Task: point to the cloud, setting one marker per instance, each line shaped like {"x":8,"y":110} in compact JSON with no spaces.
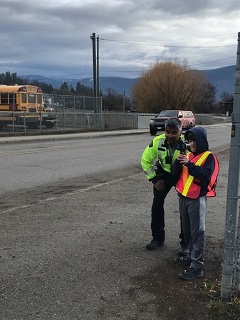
{"x":52,"y":38}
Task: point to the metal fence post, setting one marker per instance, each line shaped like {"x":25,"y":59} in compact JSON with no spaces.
{"x":84,"y":104}
{"x":13,"y":122}
{"x":232,"y":190}
{"x":63,"y":115}
{"x":40,"y":114}
{"x":13,"y":108}
{"x":24,"y":121}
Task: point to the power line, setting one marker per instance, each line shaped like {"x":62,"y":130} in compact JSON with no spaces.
{"x":190,"y":65}
{"x":169,"y":46}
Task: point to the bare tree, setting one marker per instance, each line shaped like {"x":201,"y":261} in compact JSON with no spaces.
{"x":168,"y":85}
{"x":206,"y":102}
{"x":225,"y":96}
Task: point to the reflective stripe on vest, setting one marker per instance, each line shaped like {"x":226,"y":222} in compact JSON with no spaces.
{"x":149,"y":172}
{"x":213,"y":181}
{"x":186,"y":184}
{"x":163,"y":152}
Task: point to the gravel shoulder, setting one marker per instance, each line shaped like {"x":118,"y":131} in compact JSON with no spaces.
{"x":76,"y":250}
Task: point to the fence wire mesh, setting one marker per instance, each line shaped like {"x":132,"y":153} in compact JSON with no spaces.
{"x":69,"y":112}
{"x":73,"y":102}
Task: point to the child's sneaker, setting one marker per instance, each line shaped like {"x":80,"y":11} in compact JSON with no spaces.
{"x":183,"y":251}
{"x":191,"y":274}
{"x":183,"y":261}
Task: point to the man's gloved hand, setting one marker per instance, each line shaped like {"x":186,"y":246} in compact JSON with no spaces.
{"x":159,"y":185}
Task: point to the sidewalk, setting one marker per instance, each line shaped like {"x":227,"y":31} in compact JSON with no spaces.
{"x":81,"y":135}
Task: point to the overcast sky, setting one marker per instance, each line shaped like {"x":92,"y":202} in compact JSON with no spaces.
{"x":52,"y":37}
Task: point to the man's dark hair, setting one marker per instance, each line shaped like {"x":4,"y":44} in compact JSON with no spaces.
{"x":173,"y":123}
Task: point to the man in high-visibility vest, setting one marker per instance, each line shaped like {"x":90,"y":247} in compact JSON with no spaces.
{"x":162,"y":149}
{"x":196,"y":173}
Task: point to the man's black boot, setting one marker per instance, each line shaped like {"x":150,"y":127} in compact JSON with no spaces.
{"x":154,"y":244}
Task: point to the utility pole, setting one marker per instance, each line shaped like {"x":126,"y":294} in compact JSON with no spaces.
{"x":97,"y":73}
{"x":95,"y":50}
{"x":228,"y":266}
{"x":93,"y":37}
{"x":96,"y":86}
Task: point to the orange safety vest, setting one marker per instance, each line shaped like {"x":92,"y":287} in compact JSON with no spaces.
{"x":189,"y":186}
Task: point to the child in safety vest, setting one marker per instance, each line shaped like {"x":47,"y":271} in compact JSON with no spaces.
{"x":196,"y":174}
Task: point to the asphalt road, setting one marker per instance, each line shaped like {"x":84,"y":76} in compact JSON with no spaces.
{"x":53,"y":158}
{"x":75,"y":249}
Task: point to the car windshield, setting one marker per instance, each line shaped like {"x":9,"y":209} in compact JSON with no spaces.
{"x":168,"y":113}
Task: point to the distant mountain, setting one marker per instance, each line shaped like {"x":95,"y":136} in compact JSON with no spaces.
{"x":222,"y":78}
{"x":121,"y":85}
{"x":56,"y":83}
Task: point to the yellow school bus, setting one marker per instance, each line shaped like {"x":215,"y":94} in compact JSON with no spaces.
{"x":23,"y":104}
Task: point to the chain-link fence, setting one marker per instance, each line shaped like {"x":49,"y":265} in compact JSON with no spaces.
{"x":85,"y":113}
{"x":62,"y":103}
{"x":96,"y":121}
{"x":70,"y":120}
{"x":67,"y":112}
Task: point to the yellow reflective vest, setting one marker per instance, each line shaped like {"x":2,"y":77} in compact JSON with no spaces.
{"x":157,"y":151}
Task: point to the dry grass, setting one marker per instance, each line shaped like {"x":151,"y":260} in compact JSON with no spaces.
{"x":221,"y":309}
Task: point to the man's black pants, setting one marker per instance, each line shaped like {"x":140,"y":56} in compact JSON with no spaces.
{"x":158,"y":222}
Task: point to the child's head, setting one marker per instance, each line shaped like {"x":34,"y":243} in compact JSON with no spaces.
{"x":197,"y":138}
{"x":192,"y":142}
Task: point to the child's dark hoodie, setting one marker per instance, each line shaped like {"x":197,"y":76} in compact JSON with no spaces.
{"x":203,"y":173}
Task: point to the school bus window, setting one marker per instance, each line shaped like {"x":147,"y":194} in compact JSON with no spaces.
{"x":11,"y":97}
{"x":4,"y":98}
{"x":39,"y":98}
{"x":24,"y":98}
{"x":31,"y":98}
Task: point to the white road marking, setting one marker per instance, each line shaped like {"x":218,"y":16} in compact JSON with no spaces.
{"x":71,"y":193}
